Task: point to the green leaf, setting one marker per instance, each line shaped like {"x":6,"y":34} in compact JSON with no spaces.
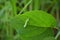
{"x":40,"y":35}
{"x":31,"y":31}
{"x":40,"y":18}
{"x":36,"y":18}
{"x":37,"y":26}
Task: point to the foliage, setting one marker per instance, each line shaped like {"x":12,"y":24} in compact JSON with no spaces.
{"x":36,"y":25}
{"x":29,"y":19}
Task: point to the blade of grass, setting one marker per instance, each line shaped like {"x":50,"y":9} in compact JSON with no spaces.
{"x":14,"y":9}
{"x":42,"y":4}
{"x":36,"y":4}
{"x":9,"y":31}
{"x":57,"y":35}
{"x":25,"y":6}
{"x":25,"y":2}
{"x":58,"y":20}
{"x":57,"y":13}
{"x":53,"y":9}
{"x":31,"y":6}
